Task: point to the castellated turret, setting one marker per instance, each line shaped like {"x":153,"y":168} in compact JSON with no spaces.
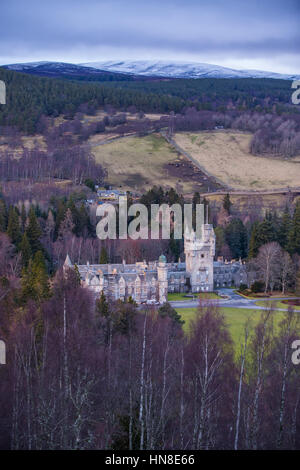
{"x":199,"y":258}
{"x":162,"y":277}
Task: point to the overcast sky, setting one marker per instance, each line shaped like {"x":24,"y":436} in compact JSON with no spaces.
{"x":257,"y":34}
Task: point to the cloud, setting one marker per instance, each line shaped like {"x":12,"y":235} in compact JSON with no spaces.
{"x":190,"y":29}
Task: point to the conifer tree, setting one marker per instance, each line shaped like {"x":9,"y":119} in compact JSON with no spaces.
{"x":67,"y":226}
{"x":3,"y":216}
{"x":33,"y":232}
{"x":284,"y":228}
{"x":60,"y":215}
{"x":294,"y":233}
{"x":227,"y":203}
{"x":166,"y":310}
{"x":236,"y":238}
{"x":104,"y":259}
{"x":254,"y":242}
{"x":23,"y":218}
{"x":27,"y":283}
{"x":40,"y":277}
{"x":102,"y":306}
{"x":76,"y":270}
{"x":25,"y":250}
{"x":13,"y":226}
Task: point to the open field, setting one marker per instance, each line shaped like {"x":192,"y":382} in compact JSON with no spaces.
{"x":225,"y":155}
{"x":235,"y":319}
{"x":138,"y":163}
{"x":28,"y":142}
{"x":180,"y":296}
{"x":276,"y":304}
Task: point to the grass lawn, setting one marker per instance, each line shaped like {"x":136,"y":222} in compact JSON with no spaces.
{"x":276,"y":304}
{"x":235,"y":319}
{"x":181,"y":296}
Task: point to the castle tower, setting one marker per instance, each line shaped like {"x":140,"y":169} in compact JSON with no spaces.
{"x":199,"y":258}
{"x":162,"y":277}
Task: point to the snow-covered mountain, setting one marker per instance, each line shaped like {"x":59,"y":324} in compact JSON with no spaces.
{"x":64,"y":70}
{"x":141,"y":68}
{"x":182,"y":70}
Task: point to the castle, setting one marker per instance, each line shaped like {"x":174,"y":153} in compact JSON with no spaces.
{"x":152,"y":281}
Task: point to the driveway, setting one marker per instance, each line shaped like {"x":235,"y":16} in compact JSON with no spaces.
{"x":234,"y":300}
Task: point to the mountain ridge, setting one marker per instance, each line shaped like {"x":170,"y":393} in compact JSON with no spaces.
{"x":183,"y":70}
{"x":142,"y":68}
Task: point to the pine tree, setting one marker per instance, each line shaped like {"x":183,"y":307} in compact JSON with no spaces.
{"x":34,"y":232}
{"x":67,"y":226}
{"x":267,"y":230}
{"x":27,"y":283}
{"x":293,"y":244}
{"x":227,"y":203}
{"x":297,"y":283}
{"x":13,"y":226}
{"x":284,"y":228}
{"x":23,"y":218}
{"x":3,"y":216}
{"x":102,"y":306}
{"x":25,"y":250}
{"x":166,"y":310}
{"x":236,"y":238}
{"x":60,"y":215}
{"x":254,"y":241}
{"x":76,"y":270}
{"x":104,"y":259}
{"x":174,"y":246}
{"x":40,"y":276}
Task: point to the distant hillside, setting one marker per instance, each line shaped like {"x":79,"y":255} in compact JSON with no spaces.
{"x":29,"y":96}
{"x":171,"y":69}
{"x":67,"y":71}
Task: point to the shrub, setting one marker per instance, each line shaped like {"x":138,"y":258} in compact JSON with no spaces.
{"x":258,"y":286}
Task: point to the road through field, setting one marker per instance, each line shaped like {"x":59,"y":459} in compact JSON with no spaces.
{"x":234,"y":301}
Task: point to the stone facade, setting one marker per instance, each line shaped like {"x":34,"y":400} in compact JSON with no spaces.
{"x":199,"y":259}
{"x":152,"y":281}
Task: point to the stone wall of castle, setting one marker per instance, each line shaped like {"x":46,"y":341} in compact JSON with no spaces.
{"x":152,"y":281}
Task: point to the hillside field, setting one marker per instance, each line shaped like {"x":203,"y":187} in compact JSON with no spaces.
{"x":225,"y":155}
{"x":138,"y":163}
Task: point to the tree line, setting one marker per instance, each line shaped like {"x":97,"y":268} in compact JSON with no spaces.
{"x":113,"y":377}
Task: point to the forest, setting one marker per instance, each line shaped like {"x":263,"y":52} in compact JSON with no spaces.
{"x":109,"y":375}
{"x":259,"y":106}
{"x":114,"y":377}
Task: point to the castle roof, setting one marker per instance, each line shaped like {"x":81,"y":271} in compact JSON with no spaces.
{"x":68,"y":261}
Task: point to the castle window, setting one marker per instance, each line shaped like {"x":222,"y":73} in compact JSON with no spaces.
{"x":202,"y":255}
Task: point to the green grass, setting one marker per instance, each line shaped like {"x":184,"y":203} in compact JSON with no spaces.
{"x":235,"y":319}
{"x":181,"y":296}
{"x":276,"y":304}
